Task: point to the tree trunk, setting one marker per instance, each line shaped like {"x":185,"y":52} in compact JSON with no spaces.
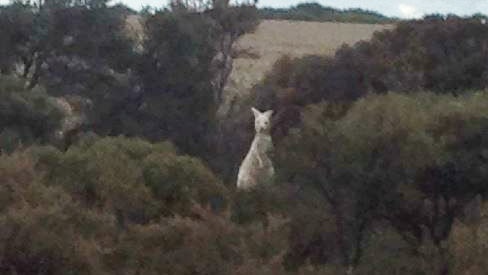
{"x":222,"y":66}
{"x":444,"y":264}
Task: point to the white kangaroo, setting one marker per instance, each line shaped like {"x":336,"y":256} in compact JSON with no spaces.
{"x":257,"y":166}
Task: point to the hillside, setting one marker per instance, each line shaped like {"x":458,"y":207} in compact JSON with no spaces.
{"x":318,"y":13}
{"x":274,"y":38}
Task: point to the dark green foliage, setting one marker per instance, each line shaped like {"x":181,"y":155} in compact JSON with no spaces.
{"x":165,"y":89}
{"x":26,"y":116}
{"x":317,"y":12}
{"x":73,"y":49}
{"x":90,"y":56}
{"x":45,"y":231}
{"x":178,"y":75}
{"x":136,"y":179}
{"x":178,"y":100}
{"x":395,"y":158}
{"x":83,"y":39}
{"x":169,"y":247}
{"x":48,"y":228}
{"x":435,"y":54}
{"x":259,"y":203}
{"x":369,"y":181}
{"x":17,"y":22}
{"x":235,"y":20}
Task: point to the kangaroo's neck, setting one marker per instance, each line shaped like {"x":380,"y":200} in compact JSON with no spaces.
{"x":262,"y":135}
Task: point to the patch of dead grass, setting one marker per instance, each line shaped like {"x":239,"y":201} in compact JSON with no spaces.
{"x":275,"y":38}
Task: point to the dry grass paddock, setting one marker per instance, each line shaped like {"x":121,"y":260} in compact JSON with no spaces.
{"x":258,"y":51}
{"x":275,"y":38}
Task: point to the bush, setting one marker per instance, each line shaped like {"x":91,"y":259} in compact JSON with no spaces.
{"x":176,"y":76}
{"x":137,"y":180}
{"x":26,"y":116}
{"x":49,"y":226}
{"x":391,"y":158}
{"x":183,"y":71}
{"x":43,"y":230}
{"x":210,"y":245}
{"x":46,"y":228}
{"x":446,"y":56}
{"x":316,"y":12}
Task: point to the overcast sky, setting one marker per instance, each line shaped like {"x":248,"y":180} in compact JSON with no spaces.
{"x":398,"y":8}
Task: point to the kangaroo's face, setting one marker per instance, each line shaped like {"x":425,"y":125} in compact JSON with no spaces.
{"x":262,"y":121}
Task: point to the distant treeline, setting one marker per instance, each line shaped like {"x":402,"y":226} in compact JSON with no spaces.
{"x":317,"y":12}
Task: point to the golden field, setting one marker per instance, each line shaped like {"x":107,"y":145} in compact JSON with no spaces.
{"x":275,"y":38}
{"x":258,"y":51}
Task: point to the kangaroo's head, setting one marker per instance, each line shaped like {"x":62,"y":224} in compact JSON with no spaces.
{"x":262,"y":121}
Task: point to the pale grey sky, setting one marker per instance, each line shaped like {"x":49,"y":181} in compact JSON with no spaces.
{"x":399,"y":8}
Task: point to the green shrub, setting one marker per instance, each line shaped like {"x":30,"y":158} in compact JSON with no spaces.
{"x":210,"y":244}
{"x":134,"y":178}
{"x":48,"y":226}
{"x":446,"y":56}
{"x":180,"y":181}
{"x":26,"y":116}
{"x":391,"y":158}
{"x":312,"y":11}
{"x":43,"y":230}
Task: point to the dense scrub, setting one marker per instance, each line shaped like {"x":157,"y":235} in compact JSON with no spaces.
{"x":374,"y":165}
{"x":134,"y":177}
{"x":436,"y":54}
{"x":353,"y":189}
{"x":26,"y":116}
{"x":118,"y":205}
{"x":317,"y":12}
{"x":165,"y":86}
{"x":402,"y":160}
{"x":381,"y":150}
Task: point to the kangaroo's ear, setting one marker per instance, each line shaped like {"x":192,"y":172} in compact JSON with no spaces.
{"x":268,"y":113}
{"x":255,"y":112}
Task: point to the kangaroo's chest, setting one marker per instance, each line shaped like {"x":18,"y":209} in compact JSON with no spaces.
{"x":263,"y":144}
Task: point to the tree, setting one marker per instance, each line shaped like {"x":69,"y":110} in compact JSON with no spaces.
{"x":415,"y":56}
{"x":184,"y":69}
{"x":26,"y":116}
{"x":341,"y":202}
{"x":412,"y":161}
{"x":73,"y":49}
